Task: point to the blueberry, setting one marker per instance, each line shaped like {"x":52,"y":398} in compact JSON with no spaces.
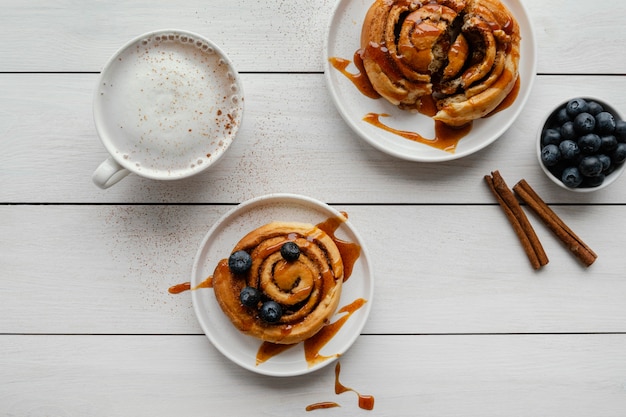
{"x":290,"y":251}
{"x":609,"y":142}
{"x":606,"y":162}
{"x":550,"y":155}
{"x":557,"y":169}
{"x":584,"y":123}
{"x":620,"y":130}
{"x":271,"y":311}
{"x":571,"y":177}
{"x":576,"y":106}
{"x":239,"y":262}
{"x":593,"y":107}
{"x":569,"y":149}
{"x":562,"y":116}
{"x":589,"y":143}
{"x":250,"y":296}
{"x":605,"y":122}
{"x":594,"y":181}
{"x":610,"y":170}
{"x":590,"y":166}
{"x":568,"y":131}
{"x":618,"y":156}
{"x":551,"y":136}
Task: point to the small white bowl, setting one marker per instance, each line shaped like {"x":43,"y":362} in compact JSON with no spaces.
{"x":550,"y":120}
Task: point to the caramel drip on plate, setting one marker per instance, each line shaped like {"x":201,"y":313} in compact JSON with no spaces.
{"x":428,"y":106}
{"x":446,"y":137}
{"x":349,"y":251}
{"x":359,"y":79}
{"x":508,"y":100}
{"x":268,"y":350}
{"x":315,"y":343}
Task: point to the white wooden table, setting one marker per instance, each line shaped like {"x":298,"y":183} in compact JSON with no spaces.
{"x":461,"y":325}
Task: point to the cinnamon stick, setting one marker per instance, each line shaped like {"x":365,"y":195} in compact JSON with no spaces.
{"x":555,"y":223}
{"x":516,"y":216}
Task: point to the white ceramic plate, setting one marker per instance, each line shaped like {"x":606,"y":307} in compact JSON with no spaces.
{"x":343,"y":38}
{"x":219,"y":242}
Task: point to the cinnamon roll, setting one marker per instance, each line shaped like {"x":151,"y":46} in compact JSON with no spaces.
{"x":281,"y":283}
{"x":463,"y":53}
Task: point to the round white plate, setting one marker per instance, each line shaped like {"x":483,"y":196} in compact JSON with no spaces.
{"x":217,"y":245}
{"x":344,"y":34}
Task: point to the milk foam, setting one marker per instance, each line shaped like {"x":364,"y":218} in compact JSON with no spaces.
{"x":168,"y":104}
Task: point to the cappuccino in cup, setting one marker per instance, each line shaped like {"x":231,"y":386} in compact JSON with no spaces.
{"x":167,"y":106}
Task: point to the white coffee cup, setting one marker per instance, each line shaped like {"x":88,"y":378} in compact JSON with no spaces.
{"x":167,"y":106}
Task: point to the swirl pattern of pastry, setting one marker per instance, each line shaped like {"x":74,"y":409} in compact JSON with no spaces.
{"x":282,"y":282}
{"x":463,"y":53}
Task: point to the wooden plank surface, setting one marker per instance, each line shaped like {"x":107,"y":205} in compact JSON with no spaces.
{"x":481,"y":376}
{"x":277,"y":36}
{"x":290,"y":132}
{"x":460,"y":323}
{"x":465,"y":272}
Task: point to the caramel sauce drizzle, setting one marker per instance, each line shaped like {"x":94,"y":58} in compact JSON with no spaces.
{"x":314,"y":344}
{"x":322,"y":405}
{"x":446,"y":137}
{"x":186,"y":286}
{"x":359,"y":79}
{"x":366,"y":402}
{"x":268,"y":350}
{"x":508,"y":100}
{"x":428,"y":107}
{"x":349,"y":251}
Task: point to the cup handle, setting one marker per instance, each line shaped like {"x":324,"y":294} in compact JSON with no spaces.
{"x":109,"y":173}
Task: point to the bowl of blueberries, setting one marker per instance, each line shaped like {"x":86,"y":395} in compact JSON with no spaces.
{"x":582,"y":144}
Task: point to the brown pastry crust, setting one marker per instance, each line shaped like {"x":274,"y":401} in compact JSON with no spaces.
{"x":308,"y":289}
{"x":465,"y":53}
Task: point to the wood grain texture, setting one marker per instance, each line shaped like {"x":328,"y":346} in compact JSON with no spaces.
{"x":437,"y":269}
{"x":276,"y":36}
{"x":481,"y":376}
{"x":290,"y":130}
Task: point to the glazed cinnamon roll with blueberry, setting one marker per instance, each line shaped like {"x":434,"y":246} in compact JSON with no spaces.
{"x":281,"y":283}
